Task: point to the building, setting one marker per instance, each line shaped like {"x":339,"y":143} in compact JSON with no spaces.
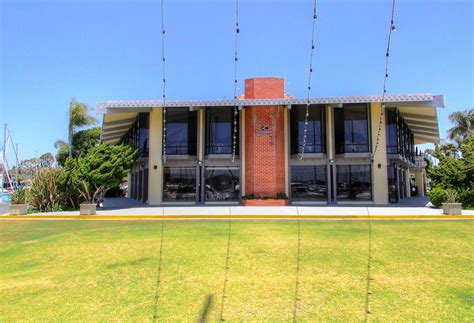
{"x":341,"y":163}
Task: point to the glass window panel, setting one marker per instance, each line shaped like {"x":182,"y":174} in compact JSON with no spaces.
{"x":353,"y":182}
{"x":315,"y":140}
{"x":351,"y":128}
{"x":179,"y":184}
{"x":222,"y":183}
{"x":181,"y":131}
{"x":308,"y":183}
{"x":220,"y":131}
{"x":144,"y":130}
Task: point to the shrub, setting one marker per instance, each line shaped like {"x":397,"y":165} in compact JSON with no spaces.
{"x":19,"y":197}
{"x":466,"y":196}
{"x":43,"y":192}
{"x":437,"y":196}
{"x":281,"y":196}
{"x":452,"y":196}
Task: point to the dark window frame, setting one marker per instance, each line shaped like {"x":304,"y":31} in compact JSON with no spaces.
{"x":215,"y":148}
{"x":297,"y":115}
{"x":190,"y":147}
{"x":340,"y":129}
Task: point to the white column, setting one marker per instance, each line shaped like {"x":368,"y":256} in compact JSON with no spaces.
{"x":379,"y":165}
{"x":155,"y":173}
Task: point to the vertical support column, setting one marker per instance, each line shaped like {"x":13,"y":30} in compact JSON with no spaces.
{"x":242,"y":151}
{"x":379,"y":164}
{"x":129,"y":183}
{"x":200,"y":171}
{"x":331,"y":186}
{"x":286,"y":149}
{"x":155,"y":174}
{"x":407,"y":182}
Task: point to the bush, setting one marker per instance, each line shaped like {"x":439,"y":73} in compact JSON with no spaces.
{"x":43,"y":193}
{"x":466,"y":197}
{"x":19,"y":197}
{"x":437,"y":196}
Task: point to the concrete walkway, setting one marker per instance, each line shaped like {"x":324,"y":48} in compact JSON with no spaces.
{"x":123,"y":207}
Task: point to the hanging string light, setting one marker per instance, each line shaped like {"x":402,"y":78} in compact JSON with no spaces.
{"x":236,"y":59}
{"x":377,"y":141}
{"x":160,"y":253}
{"x":384,"y":89}
{"x":310,"y":74}
{"x":163,"y":60}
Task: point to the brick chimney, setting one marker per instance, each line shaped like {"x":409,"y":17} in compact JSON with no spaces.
{"x":264,"y":138}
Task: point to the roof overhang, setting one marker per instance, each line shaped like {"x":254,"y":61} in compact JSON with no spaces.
{"x":418,"y":110}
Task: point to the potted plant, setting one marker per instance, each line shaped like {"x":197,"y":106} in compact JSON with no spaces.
{"x":18,"y":204}
{"x":89,"y":206}
{"x":254,"y":200}
{"x":452,"y":206}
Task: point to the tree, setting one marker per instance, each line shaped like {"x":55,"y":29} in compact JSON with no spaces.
{"x":463,"y":125}
{"x":82,"y":142}
{"x":29,"y":167}
{"x":455,"y":170}
{"x":78,"y":117}
{"x":102,"y":168}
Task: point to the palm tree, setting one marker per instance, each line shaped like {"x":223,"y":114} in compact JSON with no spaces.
{"x":78,"y":117}
{"x":463,"y":124}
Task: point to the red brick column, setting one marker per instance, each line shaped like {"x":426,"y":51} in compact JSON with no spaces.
{"x":264,"y":139}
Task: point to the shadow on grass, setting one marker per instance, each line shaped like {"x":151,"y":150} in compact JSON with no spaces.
{"x":206,"y":308}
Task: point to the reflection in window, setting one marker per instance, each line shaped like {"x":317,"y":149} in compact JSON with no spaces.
{"x":308,"y":183}
{"x":143,"y":122}
{"x":353,"y":182}
{"x":222,"y":183}
{"x":352,"y":129}
{"x":181,"y":131}
{"x":392,"y":184}
{"x":220,"y":130}
{"x":179,"y":184}
{"x":391,"y":131}
{"x":315,"y":140}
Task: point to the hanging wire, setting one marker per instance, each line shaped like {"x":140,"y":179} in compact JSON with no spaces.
{"x":310,"y":74}
{"x":160,"y":253}
{"x":384,"y":89}
{"x":236,"y":59}
{"x":163,"y":60}
{"x":382,"y":113}
{"x":297,"y":280}
{"x":234,"y":144}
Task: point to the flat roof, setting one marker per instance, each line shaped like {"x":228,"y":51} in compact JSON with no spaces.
{"x":419,"y":110}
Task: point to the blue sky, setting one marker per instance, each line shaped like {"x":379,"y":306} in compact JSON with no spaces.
{"x":51,"y":51}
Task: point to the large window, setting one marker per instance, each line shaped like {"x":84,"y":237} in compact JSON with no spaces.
{"x":308,"y":183}
{"x":181,"y":131}
{"x":222,"y":183}
{"x":352,"y":129}
{"x":220,"y":131}
{"x":391,"y":131}
{"x":392,"y":184}
{"x":315,"y":135}
{"x":144,"y":126}
{"x":179,"y":184}
{"x":353,"y":182}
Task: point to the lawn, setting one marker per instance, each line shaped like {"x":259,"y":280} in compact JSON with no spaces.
{"x":106,"y":270}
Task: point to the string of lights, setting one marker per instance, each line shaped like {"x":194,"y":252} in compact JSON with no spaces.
{"x":160,"y":253}
{"x":382,"y":114}
{"x":234,"y":144}
{"x":310,"y":74}
{"x":163,"y":60}
{"x":297,"y":280}
{"x":236,"y":59}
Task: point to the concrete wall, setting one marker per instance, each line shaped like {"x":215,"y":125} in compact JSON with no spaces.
{"x":155,"y":182}
{"x":379,"y":165}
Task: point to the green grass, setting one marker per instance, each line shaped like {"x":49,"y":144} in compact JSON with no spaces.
{"x":106,"y":270}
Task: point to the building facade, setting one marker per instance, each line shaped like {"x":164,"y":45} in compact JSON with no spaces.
{"x":356,"y":149}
